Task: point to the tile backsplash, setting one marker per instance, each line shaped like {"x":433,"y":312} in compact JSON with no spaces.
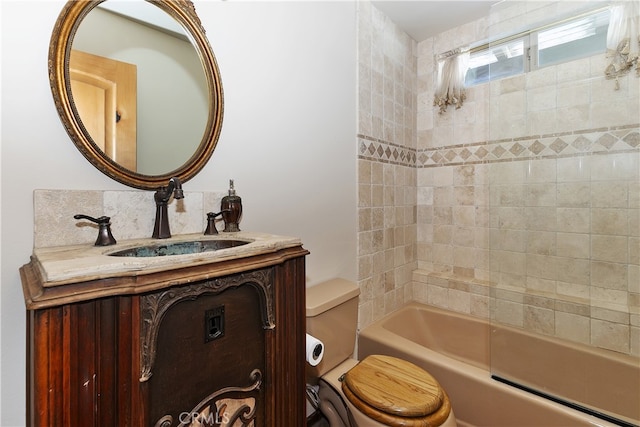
{"x":132,"y":214}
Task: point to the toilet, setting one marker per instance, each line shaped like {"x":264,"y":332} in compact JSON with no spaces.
{"x":380,"y":390}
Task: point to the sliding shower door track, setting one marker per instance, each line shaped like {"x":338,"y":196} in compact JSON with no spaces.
{"x":567,"y":403}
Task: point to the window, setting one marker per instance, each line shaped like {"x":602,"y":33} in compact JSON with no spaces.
{"x":496,"y":62}
{"x":573,"y":40}
{"x":549,"y":45}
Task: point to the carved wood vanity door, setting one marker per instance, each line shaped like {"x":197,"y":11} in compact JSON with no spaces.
{"x":204,"y":351}
{"x":104,"y":92}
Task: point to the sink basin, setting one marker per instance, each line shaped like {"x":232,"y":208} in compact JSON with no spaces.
{"x":179,"y":248}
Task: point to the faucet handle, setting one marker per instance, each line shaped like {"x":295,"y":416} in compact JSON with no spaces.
{"x":105,"y":238}
{"x":211,"y":223}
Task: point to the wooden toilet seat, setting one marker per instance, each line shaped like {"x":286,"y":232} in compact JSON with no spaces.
{"x":396,"y":392}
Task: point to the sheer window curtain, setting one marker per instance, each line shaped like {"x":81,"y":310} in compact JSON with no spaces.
{"x":623,"y":39}
{"x":450,"y":84}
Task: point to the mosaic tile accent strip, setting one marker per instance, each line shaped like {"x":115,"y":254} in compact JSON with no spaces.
{"x":386,"y":152}
{"x":593,"y":141}
{"x":619,"y":139}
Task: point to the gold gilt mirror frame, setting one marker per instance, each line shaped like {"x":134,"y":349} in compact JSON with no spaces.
{"x":183,"y":11}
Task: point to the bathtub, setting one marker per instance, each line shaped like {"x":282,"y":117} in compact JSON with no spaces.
{"x":455,"y":349}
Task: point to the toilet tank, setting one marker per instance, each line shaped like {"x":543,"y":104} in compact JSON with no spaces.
{"x":332,"y":317}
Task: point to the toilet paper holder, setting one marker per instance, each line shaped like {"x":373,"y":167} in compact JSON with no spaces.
{"x":314,"y":350}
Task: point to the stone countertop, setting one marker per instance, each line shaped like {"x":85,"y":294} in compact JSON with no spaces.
{"x":64,"y":265}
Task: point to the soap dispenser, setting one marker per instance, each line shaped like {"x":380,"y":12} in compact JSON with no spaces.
{"x":231,"y":207}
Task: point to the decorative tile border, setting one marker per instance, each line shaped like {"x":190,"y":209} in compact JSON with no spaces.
{"x":618,"y":139}
{"x":585,"y":142}
{"x":386,"y":152}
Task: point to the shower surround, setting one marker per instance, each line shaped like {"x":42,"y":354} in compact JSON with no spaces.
{"x":522,"y":206}
{"x":529,"y":195}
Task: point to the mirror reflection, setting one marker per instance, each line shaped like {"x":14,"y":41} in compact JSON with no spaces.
{"x":138,"y":85}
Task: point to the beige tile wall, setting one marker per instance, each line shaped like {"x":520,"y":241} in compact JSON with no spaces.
{"x":386,"y":164}
{"x":132,"y":214}
{"x":528,"y":196}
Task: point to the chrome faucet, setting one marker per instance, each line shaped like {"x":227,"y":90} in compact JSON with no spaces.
{"x":162,"y":196}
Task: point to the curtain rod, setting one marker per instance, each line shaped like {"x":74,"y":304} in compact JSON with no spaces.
{"x":453,"y":52}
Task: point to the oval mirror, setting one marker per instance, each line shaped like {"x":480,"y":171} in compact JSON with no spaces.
{"x":137,"y":88}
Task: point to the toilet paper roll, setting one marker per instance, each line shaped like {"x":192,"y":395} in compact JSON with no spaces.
{"x":315,"y":350}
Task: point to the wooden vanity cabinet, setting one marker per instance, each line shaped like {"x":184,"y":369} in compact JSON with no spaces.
{"x":166,"y":347}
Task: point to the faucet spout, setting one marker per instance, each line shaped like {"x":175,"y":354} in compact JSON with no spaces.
{"x":175,"y":187}
{"x":162,"y":196}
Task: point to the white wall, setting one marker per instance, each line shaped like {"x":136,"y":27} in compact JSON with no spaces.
{"x":288,"y":140}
